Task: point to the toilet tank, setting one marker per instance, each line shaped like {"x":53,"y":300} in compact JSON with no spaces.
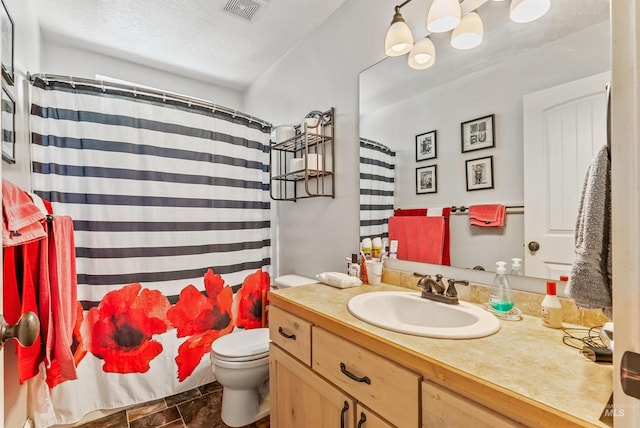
{"x":292,"y":280}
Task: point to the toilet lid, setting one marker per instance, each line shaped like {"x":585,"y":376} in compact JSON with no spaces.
{"x":242,"y":345}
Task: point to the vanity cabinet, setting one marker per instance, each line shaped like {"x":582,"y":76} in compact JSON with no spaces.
{"x":391,"y":379}
{"x":443,"y":408}
{"x":303,"y":166}
{"x":343,"y":383}
{"x":300,"y":398}
{"x":374,"y":381}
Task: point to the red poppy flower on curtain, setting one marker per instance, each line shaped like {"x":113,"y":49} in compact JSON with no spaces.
{"x":250,"y":300}
{"x":202,"y":318}
{"x":121,"y":328}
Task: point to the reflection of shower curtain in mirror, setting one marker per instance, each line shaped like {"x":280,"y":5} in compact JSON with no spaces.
{"x":170,"y":204}
{"x":377,"y":185}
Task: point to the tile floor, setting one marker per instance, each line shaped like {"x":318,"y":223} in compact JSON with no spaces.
{"x":197,"y":408}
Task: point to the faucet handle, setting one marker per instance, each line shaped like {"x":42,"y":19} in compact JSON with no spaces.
{"x":451,"y":289}
{"x":424,"y":283}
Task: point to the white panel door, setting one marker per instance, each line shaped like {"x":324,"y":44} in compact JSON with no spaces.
{"x":563,"y":128}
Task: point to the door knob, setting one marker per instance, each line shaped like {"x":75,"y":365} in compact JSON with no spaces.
{"x":534,"y":246}
{"x":25,"y":331}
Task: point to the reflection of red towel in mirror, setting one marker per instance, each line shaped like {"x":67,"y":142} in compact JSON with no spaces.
{"x":420,"y":239}
{"x":445,"y":212}
{"x":489,"y":215}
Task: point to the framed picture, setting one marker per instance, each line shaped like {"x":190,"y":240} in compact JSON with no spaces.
{"x":8,"y":127}
{"x":480,"y":173}
{"x":426,"y":146}
{"x":6,"y":29}
{"x":426,"y":179}
{"x":478,"y":134}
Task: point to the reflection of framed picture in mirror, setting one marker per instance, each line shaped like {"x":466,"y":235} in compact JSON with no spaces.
{"x":8,"y":127}
{"x":426,"y":180}
{"x":426,"y":146}
{"x":6,"y":31}
{"x":478,"y":134}
{"x":480,"y":173}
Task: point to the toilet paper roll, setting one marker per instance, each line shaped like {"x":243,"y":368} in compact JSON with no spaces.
{"x":284,"y":132}
{"x":314,"y":162}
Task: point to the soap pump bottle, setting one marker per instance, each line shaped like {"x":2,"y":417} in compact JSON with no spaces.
{"x":551,"y":308}
{"x":516,"y":267}
{"x":500,"y":297}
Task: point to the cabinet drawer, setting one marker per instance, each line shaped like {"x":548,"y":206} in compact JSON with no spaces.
{"x":443,"y":408}
{"x":291,"y":333}
{"x":373,"y":380}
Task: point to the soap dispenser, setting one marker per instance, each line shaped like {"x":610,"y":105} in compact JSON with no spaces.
{"x":500,"y":297}
{"x":516,"y":267}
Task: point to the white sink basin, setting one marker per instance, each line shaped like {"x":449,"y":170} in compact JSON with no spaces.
{"x":407,"y":312}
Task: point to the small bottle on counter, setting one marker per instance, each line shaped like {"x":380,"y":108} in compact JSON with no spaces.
{"x":354,"y":266}
{"x":376,"y":248}
{"x":500,"y":297}
{"x":516,"y":267}
{"x":366,"y":248}
{"x":393,"y":249}
{"x":551,"y":308}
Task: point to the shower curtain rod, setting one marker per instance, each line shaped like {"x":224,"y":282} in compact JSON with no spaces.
{"x":164,"y":95}
{"x":374,"y":143}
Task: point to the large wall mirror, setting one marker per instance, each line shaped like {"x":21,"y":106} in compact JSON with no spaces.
{"x":513,"y":77}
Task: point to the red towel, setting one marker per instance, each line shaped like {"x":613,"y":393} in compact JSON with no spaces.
{"x":420,"y":239}
{"x":22,"y":219}
{"x":19,"y":296}
{"x":446,"y":212}
{"x":63,"y":294}
{"x":490,"y":215}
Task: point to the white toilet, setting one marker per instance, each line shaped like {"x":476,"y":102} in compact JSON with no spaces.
{"x":240,"y":362}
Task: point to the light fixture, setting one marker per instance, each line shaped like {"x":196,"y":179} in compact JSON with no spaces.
{"x":469,"y":33}
{"x":444,"y":15}
{"x":423,"y":54}
{"x":523,"y":11}
{"x":399,"y":40}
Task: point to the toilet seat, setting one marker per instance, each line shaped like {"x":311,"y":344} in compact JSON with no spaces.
{"x":246,"y":345}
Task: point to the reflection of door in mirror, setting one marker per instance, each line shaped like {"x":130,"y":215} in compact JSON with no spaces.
{"x":563,"y":128}
{"x":442,"y":98}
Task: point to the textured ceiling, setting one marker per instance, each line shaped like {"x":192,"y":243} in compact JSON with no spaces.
{"x":196,"y":38}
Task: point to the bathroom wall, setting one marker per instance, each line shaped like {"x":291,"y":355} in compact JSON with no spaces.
{"x":26,"y":57}
{"x":60,"y":58}
{"x":321,"y":71}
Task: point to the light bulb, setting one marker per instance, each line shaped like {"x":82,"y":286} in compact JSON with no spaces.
{"x":444,"y":15}
{"x":423,"y":54}
{"x":469,"y":33}
{"x":399,"y":39}
{"x":523,"y":11}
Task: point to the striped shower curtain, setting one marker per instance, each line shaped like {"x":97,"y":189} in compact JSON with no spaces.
{"x":170,"y":207}
{"x":377,"y":184}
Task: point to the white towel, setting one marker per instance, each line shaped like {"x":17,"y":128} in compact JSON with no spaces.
{"x":434,"y":212}
{"x":590,"y":279}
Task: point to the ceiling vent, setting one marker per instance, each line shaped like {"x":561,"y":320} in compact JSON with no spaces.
{"x":246,"y":9}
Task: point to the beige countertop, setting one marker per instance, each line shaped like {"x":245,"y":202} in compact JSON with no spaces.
{"x":523,"y":362}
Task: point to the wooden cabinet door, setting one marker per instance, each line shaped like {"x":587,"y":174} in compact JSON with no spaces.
{"x":442,"y":408}
{"x":365,"y":418}
{"x":300,"y":398}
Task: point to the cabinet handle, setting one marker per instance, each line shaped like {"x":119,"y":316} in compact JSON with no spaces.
{"x":365,"y":379}
{"x":363,"y":419}
{"x":283,"y":334}
{"x":344,"y":410}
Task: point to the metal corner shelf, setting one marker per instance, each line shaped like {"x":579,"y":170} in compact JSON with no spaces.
{"x":302,"y":167}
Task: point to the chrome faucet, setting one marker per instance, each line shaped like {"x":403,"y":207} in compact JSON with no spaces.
{"x":436,"y":290}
